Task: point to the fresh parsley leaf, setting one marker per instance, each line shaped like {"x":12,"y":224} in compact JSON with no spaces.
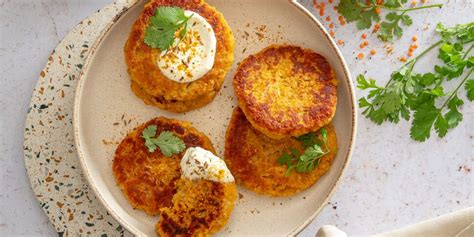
{"x":423,"y":121}
{"x":469,"y":86}
{"x":357,"y":10}
{"x":391,"y":28}
{"x":408,"y":92}
{"x":163,"y":26}
{"x":365,"y":13}
{"x":315,"y":148}
{"x":454,"y":117}
{"x":168,"y":143}
{"x":441,"y":126}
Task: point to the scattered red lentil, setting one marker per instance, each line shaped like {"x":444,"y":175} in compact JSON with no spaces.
{"x":331,"y":25}
{"x":378,"y":10}
{"x":366,"y":43}
{"x":424,"y":1}
{"x":363,"y":36}
{"x":413,"y":2}
{"x":360,"y":56}
{"x":328,"y":18}
{"x":410,"y":54}
{"x":373,"y":52}
{"x":331,"y":33}
{"x":340,"y":42}
{"x":402,"y":59}
{"x":376,"y":28}
{"x":414,"y":38}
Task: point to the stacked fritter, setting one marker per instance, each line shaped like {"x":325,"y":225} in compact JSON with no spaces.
{"x":283,"y":92}
{"x":154,"y":183}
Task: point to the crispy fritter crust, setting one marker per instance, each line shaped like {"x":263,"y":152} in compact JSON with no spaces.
{"x":286,"y":90}
{"x":147,"y":179}
{"x":200,"y":208}
{"x":176,"y":106}
{"x":141,"y":59}
{"x":252,"y":158}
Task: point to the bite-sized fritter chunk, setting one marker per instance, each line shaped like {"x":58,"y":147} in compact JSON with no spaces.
{"x":143,"y":69}
{"x":147,"y":179}
{"x":252,"y":158}
{"x":286,"y":90}
{"x":200,"y":208}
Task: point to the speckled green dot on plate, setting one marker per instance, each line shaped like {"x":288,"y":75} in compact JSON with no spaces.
{"x":50,"y":156}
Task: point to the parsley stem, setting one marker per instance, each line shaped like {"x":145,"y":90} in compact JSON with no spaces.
{"x":456,"y":90}
{"x":412,"y":9}
{"x":467,"y":52}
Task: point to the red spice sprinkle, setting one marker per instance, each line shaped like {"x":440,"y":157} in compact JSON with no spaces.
{"x":360,"y":56}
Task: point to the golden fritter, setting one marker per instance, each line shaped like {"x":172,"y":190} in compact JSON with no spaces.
{"x":176,"y":106}
{"x":147,"y":179}
{"x":200,"y":208}
{"x":286,"y":91}
{"x":252,"y":158}
{"x":141,"y":59}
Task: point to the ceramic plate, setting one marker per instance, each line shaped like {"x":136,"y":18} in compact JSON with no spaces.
{"x":106,"y":110}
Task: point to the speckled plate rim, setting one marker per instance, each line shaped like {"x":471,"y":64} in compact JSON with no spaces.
{"x":89,"y":59}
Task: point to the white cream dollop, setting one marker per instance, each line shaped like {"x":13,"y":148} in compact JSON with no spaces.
{"x":199,"y":163}
{"x":193,"y":56}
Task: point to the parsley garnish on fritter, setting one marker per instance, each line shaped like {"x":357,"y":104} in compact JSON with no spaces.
{"x":424,"y":95}
{"x":162,"y":27}
{"x":315,"y":148}
{"x":168,"y":143}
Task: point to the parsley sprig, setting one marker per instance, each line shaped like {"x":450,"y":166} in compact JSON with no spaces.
{"x":163,"y":26}
{"x":315,"y":149}
{"x":409,"y":93}
{"x":168,"y":143}
{"x":365,"y":13}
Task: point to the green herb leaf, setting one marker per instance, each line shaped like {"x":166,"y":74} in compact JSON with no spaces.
{"x":314,"y":150}
{"x":470,"y":89}
{"x":162,"y":27}
{"x":423,"y":121}
{"x":168,"y":143}
{"x":408,"y":92}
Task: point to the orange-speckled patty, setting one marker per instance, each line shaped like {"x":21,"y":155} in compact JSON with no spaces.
{"x":286,"y":90}
{"x":199,"y":208}
{"x":252,"y":158}
{"x":176,"y":106}
{"x":141,"y":59}
{"x":147,"y":179}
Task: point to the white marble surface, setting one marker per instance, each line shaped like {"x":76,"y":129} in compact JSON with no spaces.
{"x":391,"y":181}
